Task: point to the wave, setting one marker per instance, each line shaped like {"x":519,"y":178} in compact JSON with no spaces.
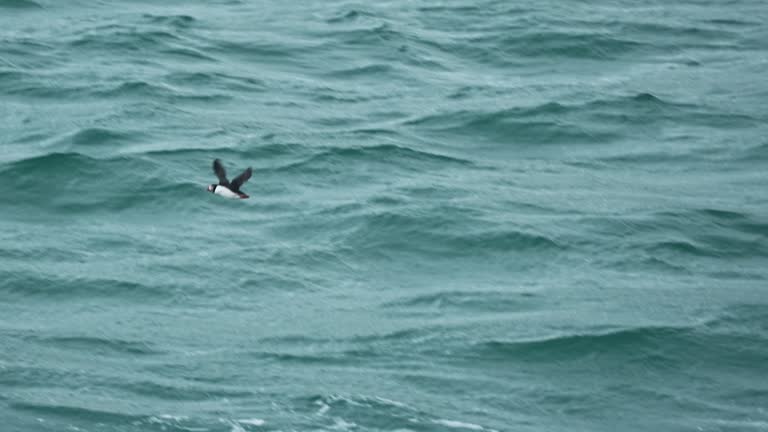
{"x":260,"y":152}
{"x":597,"y":121}
{"x":76,"y":183}
{"x":469,"y":301}
{"x":30,"y":84}
{"x":744,"y":320}
{"x":218,"y":80}
{"x":323,"y":358}
{"x":100,"y":136}
{"x":403,"y":157}
{"x":505,"y":46}
{"x":29,"y":252}
{"x":350,"y":16}
{"x":286,"y":281}
{"x":397,"y":54}
{"x":570,"y":45}
{"x":298,"y":340}
{"x":645,"y":345}
{"x":148,"y":42}
{"x":684,"y":247}
{"x":31,"y":376}
{"x":57,"y":288}
{"x":88,"y":413}
{"x":729,"y":232}
{"x":272,"y":51}
{"x":179,"y":392}
{"x":646,"y":108}
{"x":20,"y":4}
{"x":658,"y":240}
{"x":755,"y":153}
{"x":652,"y":158}
{"x":117,"y":36}
{"x":175,"y":21}
{"x":439,"y":235}
{"x":375,"y":71}
{"x":511,"y":43}
{"x":678,"y":35}
{"x":49,"y":163}
{"x":341,"y":402}
{"x":63,"y":171}
{"x":395,"y":415}
{"x":98,"y":345}
{"x":328,"y":95}
{"x":158,"y":90}
{"x":456,"y":9}
{"x":512,"y":126}
{"x":649,"y":264}
{"x":662,"y":345}
{"x":391,"y":42}
{"x":379,"y":34}
{"x":93,"y":415}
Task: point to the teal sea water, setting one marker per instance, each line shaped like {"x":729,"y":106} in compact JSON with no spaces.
{"x":465,"y":215}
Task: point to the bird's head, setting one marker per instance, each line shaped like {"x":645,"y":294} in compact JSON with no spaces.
{"x":211,"y":188}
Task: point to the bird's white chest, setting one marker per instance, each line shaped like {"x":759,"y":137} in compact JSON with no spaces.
{"x":225,"y":192}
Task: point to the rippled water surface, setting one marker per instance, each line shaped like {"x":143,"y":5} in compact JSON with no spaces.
{"x":464,"y":216}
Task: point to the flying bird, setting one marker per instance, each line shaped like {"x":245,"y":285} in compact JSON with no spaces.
{"x":226,"y":188}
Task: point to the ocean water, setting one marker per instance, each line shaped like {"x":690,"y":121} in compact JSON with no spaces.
{"x":465,"y":216}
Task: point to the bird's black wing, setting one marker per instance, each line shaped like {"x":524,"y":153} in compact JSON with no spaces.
{"x":239,"y":180}
{"x":218,"y":168}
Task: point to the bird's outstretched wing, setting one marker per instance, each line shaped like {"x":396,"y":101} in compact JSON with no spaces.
{"x":218,"y":168}
{"x":238,"y":181}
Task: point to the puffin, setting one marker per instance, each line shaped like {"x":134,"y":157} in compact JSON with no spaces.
{"x":226,"y":188}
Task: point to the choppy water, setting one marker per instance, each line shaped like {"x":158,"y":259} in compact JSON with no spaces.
{"x":465,"y":215}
